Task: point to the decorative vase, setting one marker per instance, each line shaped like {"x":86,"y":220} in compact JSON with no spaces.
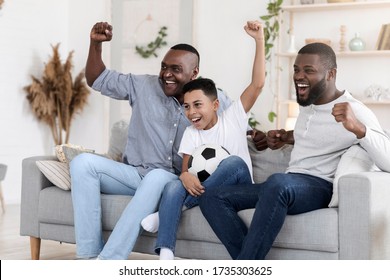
{"x":291,"y":48}
{"x":357,"y":44}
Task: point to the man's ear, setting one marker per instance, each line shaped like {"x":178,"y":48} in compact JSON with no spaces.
{"x":195,"y":73}
{"x":332,"y":74}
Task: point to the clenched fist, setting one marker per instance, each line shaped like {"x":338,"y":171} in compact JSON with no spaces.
{"x":101,"y":32}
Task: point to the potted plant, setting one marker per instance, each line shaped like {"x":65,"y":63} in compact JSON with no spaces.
{"x":56,"y":97}
{"x":271,"y":32}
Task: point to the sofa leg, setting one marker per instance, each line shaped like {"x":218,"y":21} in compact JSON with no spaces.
{"x":35,"y":246}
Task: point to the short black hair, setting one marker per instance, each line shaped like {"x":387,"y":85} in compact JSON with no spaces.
{"x":188,"y":48}
{"x":326,"y":53}
{"x":206,"y":85}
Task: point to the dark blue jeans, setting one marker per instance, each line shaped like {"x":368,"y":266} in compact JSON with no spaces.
{"x":281,"y":195}
{"x":232,"y":170}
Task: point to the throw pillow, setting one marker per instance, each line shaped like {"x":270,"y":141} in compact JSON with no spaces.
{"x":71,"y":152}
{"x":118,"y":140}
{"x":268,"y":162}
{"x":354,"y":160}
{"x":66,"y":152}
{"x":56,"y":172}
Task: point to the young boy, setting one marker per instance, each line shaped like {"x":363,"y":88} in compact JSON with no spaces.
{"x":229,"y":130}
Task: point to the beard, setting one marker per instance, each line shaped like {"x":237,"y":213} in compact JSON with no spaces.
{"x":314,"y":93}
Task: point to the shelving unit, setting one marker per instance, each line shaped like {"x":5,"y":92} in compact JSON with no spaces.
{"x":334,"y":16}
{"x":336,"y":6}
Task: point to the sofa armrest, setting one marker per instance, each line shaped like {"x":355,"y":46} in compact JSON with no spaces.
{"x":364,"y":215}
{"x":33,"y":181}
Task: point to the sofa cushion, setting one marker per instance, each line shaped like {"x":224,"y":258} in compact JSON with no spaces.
{"x":268,"y":162}
{"x":56,"y":172}
{"x":71,"y":152}
{"x":354,"y":160}
{"x":321,"y":235}
{"x":66,"y":152}
{"x":118,"y":140}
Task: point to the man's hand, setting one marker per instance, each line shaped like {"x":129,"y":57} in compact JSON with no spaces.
{"x":278,"y":138}
{"x":101,"y":32}
{"x":343,"y":113}
{"x":191,"y":184}
{"x":259,"y":139}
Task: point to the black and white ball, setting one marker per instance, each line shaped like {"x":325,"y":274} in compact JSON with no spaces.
{"x":205,"y":160}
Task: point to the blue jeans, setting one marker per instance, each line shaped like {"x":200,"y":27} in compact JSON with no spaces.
{"x":281,"y":195}
{"x":92,"y":175}
{"x":232,"y":170}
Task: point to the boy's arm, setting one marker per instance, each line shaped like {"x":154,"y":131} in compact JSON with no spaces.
{"x":190,"y":182}
{"x":249,"y":96}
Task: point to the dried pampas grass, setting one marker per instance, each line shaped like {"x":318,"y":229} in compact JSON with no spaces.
{"x":56,"y":97}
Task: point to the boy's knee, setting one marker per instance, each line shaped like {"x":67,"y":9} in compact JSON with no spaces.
{"x":233,"y":160}
{"x":173,"y":186}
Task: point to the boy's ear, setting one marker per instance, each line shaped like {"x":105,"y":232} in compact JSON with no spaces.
{"x":216,"y":105}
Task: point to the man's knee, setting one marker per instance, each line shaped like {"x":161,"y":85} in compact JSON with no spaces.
{"x":209,"y":196}
{"x":81,"y":162}
{"x":277,"y":185}
{"x":161,"y":175}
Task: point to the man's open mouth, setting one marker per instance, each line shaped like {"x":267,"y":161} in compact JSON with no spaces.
{"x":302,"y":88}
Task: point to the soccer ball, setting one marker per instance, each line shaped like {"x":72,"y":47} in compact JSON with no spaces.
{"x":205,"y":160}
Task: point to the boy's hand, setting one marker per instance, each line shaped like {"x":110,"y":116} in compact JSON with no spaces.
{"x":259,"y":139}
{"x":191,"y":184}
{"x":254,"y":29}
{"x":101,"y":31}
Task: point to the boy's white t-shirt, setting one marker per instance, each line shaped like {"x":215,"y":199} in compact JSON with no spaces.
{"x":229,"y":132}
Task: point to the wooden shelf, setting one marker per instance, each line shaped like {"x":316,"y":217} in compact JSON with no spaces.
{"x":371,"y":53}
{"x":335,"y":6}
{"x":323,"y":12}
{"x":375,"y":102}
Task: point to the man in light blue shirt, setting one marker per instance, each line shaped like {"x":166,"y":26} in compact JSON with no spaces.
{"x":150,"y":159}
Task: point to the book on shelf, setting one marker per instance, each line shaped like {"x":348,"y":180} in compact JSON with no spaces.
{"x":383,"y":42}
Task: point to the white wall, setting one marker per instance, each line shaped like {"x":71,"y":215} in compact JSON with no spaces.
{"x":28,"y":28}
{"x":227,"y":51}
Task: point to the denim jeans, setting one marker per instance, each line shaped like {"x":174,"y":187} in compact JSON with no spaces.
{"x":281,"y":194}
{"x":232,"y":170}
{"x":92,"y":175}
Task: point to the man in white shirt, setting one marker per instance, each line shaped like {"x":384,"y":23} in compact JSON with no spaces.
{"x":330,"y":121}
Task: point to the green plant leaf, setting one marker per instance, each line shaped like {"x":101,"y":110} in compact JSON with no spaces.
{"x":271,"y":116}
{"x":151,"y":47}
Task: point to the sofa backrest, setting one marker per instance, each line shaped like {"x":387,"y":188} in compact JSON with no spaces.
{"x":269,"y":161}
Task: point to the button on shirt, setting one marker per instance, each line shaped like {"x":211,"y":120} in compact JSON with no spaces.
{"x":157,"y":122}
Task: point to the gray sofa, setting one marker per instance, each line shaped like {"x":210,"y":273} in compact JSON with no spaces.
{"x":359,"y":228}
